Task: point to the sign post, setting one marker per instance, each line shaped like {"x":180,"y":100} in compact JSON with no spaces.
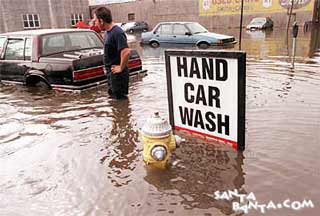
{"x":206,"y":93}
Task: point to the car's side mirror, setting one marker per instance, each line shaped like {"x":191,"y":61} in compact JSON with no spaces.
{"x":188,"y":33}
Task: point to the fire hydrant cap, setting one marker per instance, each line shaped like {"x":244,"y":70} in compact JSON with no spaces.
{"x":156,"y":126}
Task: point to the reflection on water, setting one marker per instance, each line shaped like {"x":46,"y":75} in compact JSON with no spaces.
{"x":199,"y":169}
{"x":65,"y":153}
{"x":121,"y":149}
{"x":314,"y":42}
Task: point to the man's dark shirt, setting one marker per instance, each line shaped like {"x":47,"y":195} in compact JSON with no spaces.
{"x":115,"y":41}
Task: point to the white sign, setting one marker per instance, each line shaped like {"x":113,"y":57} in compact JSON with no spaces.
{"x":204,"y":95}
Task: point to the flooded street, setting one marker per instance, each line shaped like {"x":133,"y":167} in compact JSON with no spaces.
{"x":64,"y":153}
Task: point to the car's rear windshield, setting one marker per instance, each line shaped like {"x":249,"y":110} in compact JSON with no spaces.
{"x":258,"y":20}
{"x":71,"y":41}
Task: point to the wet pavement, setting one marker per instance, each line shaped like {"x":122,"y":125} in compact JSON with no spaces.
{"x":65,"y":153}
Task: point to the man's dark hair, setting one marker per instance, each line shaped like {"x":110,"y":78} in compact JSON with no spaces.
{"x":104,"y":14}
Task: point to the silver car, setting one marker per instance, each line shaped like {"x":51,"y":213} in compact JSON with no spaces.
{"x":184,"y":33}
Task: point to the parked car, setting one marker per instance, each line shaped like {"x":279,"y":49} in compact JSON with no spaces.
{"x":260,"y":23}
{"x":70,"y":59}
{"x":184,"y":33}
{"x":90,"y":25}
{"x":133,"y":27}
{"x":120,"y":24}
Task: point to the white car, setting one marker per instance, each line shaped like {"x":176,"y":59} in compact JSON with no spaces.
{"x":260,"y":23}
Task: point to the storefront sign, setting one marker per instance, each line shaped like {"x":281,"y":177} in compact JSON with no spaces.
{"x":230,"y":7}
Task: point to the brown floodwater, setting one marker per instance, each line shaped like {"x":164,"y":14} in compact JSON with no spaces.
{"x":64,"y":153}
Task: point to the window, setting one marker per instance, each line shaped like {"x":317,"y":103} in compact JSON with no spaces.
{"x":2,"y":42}
{"x":28,"y":49}
{"x":31,"y":21}
{"x":15,"y":49}
{"x":179,"y":29}
{"x":54,"y":43}
{"x":196,"y":28}
{"x":131,"y":16}
{"x":165,"y":29}
{"x":76,"y":18}
{"x":80,"y":41}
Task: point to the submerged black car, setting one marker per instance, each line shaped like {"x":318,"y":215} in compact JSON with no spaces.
{"x":59,"y":58}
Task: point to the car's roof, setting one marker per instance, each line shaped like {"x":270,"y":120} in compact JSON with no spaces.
{"x":260,"y":18}
{"x":42,"y":32}
{"x":176,"y":22}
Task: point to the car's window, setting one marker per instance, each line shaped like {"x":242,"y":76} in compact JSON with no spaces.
{"x":28,"y":49}
{"x":196,"y":28}
{"x":179,"y":29}
{"x":14,"y":50}
{"x":2,"y":42}
{"x":82,"y":41}
{"x":165,"y":29}
{"x":258,"y":20}
{"x":56,"y":43}
{"x":157,"y":29}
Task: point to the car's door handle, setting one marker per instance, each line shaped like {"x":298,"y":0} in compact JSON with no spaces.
{"x":174,"y":36}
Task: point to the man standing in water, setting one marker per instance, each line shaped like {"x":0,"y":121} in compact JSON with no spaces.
{"x":116,"y":53}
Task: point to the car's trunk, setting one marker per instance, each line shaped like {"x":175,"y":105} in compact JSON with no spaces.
{"x":78,"y":67}
{"x":83,"y":68}
{"x":87,"y":68}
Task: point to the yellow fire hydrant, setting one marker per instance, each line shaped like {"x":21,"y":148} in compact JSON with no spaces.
{"x":158,"y":141}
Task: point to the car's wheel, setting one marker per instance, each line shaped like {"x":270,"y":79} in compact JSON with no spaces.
{"x":35,"y":81}
{"x":42,"y":85}
{"x":131,"y":31}
{"x":203,"y":45}
{"x":154,"y":44}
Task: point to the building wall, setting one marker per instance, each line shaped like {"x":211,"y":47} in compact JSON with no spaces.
{"x":154,"y":11}
{"x":52,"y":13}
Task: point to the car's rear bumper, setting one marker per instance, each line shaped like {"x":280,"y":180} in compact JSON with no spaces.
{"x":90,"y":85}
{"x":78,"y":87}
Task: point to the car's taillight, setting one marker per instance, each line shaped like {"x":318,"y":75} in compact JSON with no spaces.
{"x":134,"y":63}
{"x":88,"y":73}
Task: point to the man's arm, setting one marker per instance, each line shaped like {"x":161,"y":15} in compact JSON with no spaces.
{"x":124,"y":58}
{"x":124,"y":61}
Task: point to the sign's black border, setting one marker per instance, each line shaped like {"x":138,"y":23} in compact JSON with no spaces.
{"x":241,"y":57}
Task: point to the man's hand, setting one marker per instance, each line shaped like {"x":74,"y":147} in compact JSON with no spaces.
{"x":116,"y":69}
{"x":124,"y":61}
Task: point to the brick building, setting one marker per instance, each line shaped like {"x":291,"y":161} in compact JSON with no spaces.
{"x":16,"y":15}
{"x":211,"y":13}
